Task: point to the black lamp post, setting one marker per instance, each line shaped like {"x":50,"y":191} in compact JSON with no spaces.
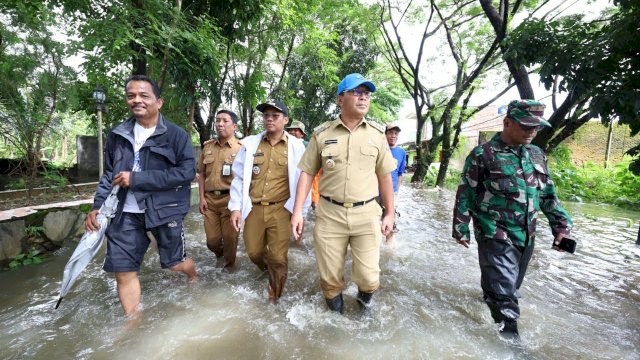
{"x":99,"y":97}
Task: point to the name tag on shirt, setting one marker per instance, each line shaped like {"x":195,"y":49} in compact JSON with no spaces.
{"x":226,"y":169}
{"x":331,"y":141}
{"x":258,"y":154}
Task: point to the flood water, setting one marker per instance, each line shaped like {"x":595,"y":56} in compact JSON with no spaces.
{"x":429,"y":306}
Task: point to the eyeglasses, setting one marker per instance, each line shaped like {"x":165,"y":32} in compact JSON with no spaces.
{"x":359,"y":92}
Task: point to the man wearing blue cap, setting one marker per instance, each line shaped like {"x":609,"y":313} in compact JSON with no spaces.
{"x":355,"y":158}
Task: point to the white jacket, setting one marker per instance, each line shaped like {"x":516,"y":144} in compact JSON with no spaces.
{"x":242,"y":169}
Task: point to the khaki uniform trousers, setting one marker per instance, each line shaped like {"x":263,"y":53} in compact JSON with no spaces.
{"x":267,"y":232}
{"x":338,"y":227}
{"x":222,"y":238}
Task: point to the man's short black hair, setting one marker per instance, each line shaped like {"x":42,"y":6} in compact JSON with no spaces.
{"x":233,"y":115}
{"x":154,"y":86}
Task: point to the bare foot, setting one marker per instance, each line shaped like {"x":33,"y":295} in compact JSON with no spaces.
{"x":187,"y":267}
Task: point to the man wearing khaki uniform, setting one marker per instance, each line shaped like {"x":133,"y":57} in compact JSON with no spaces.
{"x":214,"y":182}
{"x":356,"y":162}
{"x":262,"y":193}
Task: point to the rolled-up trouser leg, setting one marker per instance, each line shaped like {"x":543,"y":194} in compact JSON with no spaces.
{"x":502,"y":267}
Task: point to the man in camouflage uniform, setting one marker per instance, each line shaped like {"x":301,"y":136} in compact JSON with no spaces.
{"x":214,"y":182}
{"x":504,"y":183}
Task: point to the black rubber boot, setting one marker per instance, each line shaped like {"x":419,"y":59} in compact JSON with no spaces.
{"x":364,"y":299}
{"x":336,"y":304}
{"x":509,"y":329}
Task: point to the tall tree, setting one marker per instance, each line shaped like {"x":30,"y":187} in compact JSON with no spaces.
{"x":35,"y":84}
{"x":451,"y":22}
{"x":590,"y":67}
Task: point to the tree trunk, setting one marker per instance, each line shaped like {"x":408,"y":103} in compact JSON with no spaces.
{"x":519,"y":73}
{"x":139,"y":60}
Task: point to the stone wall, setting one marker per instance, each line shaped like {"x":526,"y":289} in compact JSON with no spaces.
{"x":54,"y":226}
{"x":56,"y":222}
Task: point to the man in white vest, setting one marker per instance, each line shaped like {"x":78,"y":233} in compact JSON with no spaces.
{"x":263,"y":191}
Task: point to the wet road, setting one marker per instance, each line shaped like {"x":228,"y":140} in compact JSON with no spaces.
{"x":429,"y":306}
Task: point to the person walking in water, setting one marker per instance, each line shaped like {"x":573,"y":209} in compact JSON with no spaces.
{"x":400,"y":156}
{"x":262,"y":193}
{"x":503,"y":185}
{"x":152,"y":161}
{"x":214,"y":183}
{"x":356,"y":162}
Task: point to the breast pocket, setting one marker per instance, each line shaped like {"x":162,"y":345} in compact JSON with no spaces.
{"x":504,"y":185}
{"x":332,"y":160}
{"x":258,"y":169}
{"x":368,"y":156}
{"x":161,"y":158}
{"x":209,"y":159}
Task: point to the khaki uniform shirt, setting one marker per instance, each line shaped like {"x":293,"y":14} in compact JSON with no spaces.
{"x":270,"y":174}
{"x":214,"y":156}
{"x":350,"y":159}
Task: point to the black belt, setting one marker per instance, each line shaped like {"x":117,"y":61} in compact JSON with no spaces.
{"x":348,"y":204}
{"x":219,"y":192}
{"x":266,"y":203}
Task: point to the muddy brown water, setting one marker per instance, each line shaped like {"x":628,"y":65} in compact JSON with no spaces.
{"x":429,"y":306}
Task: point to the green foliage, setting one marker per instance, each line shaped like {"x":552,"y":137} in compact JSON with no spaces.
{"x":32,"y":257}
{"x":35,"y":83}
{"x":34,"y":230}
{"x":594,"y":60}
{"x":451,"y":180}
{"x":16,"y":184}
{"x":593,"y":183}
{"x":85,"y":208}
{"x":54,"y":180}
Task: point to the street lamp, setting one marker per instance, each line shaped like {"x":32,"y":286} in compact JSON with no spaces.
{"x":99,"y":97}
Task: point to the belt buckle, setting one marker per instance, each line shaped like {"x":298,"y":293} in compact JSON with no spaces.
{"x":217,"y":192}
{"x":264,"y":203}
{"x":347,"y":205}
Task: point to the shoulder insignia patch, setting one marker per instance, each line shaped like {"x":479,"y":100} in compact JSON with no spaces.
{"x":322,"y":127}
{"x":377,"y":126}
{"x":208,"y":142}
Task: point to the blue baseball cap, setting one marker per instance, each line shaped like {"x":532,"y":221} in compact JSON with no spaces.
{"x":354,"y":80}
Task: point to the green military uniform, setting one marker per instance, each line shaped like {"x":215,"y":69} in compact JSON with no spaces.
{"x":502,"y":188}
{"x":347,"y":214}
{"x":215,"y":166}
{"x":267,"y":229}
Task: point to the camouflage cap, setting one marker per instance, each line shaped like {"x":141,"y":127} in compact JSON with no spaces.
{"x":527,"y":112}
{"x":297,"y":125}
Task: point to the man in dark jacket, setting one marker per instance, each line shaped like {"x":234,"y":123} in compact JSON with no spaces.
{"x":152,"y":161}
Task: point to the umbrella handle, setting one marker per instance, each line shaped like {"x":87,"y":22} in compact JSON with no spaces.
{"x":58,"y":303}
